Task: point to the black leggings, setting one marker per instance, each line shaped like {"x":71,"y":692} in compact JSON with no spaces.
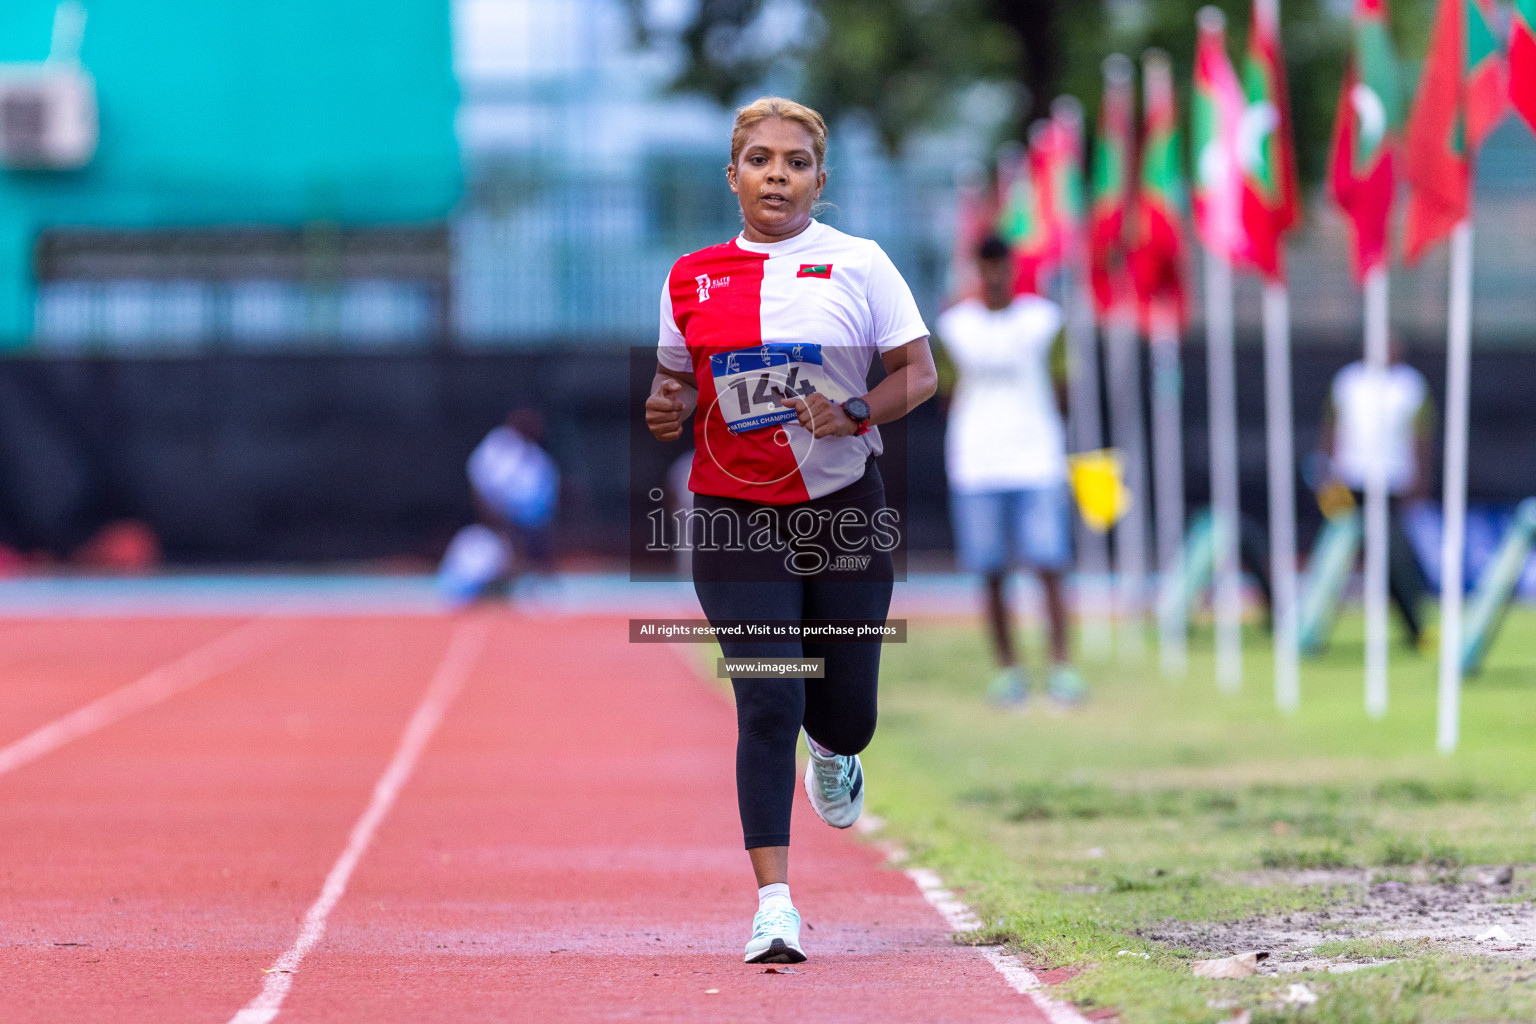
{"x":837,"y":711}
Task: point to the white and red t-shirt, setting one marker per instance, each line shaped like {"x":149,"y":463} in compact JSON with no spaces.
{"x":756,"y":321}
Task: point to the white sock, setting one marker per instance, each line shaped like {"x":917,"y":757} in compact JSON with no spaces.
{"x":773,"y":891}
{"x":817,"y":749}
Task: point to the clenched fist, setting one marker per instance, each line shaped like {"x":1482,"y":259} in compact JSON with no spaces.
{"x":665,"y":410}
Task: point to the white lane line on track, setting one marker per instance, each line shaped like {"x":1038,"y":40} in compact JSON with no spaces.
{"x":228,"y":652}
{"x":463,"y":649}
{"x":962,"y":919}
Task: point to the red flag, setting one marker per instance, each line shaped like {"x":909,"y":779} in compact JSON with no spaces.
{"x":1522,"y":61}
{"x":1020,"y":222}
{"x":1271,"y":194}
{"x":1361,"y":175}
{"x":1111,"y":190}
{"x":1157,"y":231}
{"x":1055,"y":150}
{"x":1045,"y":158}
{"x":1218,"y":111}
{"x":973,"y":222}
{"x":1067,"y":175}
{"x":1487,"y":73}
{"x":1460,"y":100}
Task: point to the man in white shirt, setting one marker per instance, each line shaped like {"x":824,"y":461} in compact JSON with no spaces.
{"x":1005,"y":452}
{"x":1392,"y":424}
{"x":516,"y":488}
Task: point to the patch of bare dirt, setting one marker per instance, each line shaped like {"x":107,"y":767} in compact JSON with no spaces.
{"x":1472,"y":911}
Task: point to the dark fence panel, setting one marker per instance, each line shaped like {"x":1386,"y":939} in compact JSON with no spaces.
{"x":293,"y":458}
{"x":318,"y":457}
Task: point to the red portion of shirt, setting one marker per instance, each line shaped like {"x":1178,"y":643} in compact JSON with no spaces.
{"x":717,"y":305}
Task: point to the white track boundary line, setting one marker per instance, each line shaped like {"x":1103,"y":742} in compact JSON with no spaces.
{"x":228,"y":652}
{"x":956,"y":914}
{"x":962,"y":918}
{"x":463,"y":650}
{"x":1019,"y":978}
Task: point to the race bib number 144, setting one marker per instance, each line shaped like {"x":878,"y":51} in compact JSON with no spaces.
{"x":752,"y":383}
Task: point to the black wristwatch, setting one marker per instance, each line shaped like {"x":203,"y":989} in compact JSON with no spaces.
{"x":858,"y":410}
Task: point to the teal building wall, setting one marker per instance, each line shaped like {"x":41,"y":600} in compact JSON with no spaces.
{"x":241,"y":112}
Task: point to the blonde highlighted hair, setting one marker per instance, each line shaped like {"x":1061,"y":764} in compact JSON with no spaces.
{"x":767,"y":107}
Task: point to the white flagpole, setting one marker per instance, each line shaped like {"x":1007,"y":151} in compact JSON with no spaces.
{"x":1129,"y":435}
{"x":1457,"y":386}
{"x":1279,"y":423}
{"x":1168,"y":452}
{"x":1221,"y":377}
{"x":1085,"y":416}
{"x":1086,"y":422}
{"x":1376,"y":329}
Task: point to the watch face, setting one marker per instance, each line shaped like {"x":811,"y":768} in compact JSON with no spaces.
{"x":857,"y":409}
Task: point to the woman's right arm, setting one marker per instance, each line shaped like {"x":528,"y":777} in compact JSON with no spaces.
{"x":674,"y":393}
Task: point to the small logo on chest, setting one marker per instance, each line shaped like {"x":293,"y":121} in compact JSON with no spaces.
{"x":705,"y":283}
{"x":821,"y":270}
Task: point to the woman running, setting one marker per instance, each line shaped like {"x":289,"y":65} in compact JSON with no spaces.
{"x":770,"y":337}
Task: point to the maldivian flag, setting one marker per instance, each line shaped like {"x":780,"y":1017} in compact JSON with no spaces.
{"x":1460,"y":100}
{"x":1271,"y":196}
{"x":1361,"y":174}
{"x":1020,"y":224}
{"x":975,"y":213}
{"x":1067,"y":177}
{"x":1046,"y":248}
{"x":1218,"y":109}
{"x":1056,"y":149}
{"x":1157,"y":234}
{"x":1111,"y":190}
{"x":1522,"y":61}
{"x":1043,"y":168}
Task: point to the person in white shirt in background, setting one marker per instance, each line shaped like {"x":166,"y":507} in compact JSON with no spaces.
{"x":1005,"y":452}
{"x":516,"y":488}
{"x":1394,"y":425}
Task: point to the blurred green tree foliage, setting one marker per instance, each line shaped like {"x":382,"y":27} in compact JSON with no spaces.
{"x":901,"y":63}
{"x":905,"y":64}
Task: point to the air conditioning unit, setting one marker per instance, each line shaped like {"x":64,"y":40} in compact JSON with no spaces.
{"x":47,"y":117}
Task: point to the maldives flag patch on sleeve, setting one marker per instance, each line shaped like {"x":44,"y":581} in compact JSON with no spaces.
{"x":822,"y":270}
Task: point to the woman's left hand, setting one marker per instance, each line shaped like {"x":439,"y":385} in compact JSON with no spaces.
{"x":821,"y":417}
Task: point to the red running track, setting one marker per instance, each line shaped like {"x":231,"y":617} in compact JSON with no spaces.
{"x":566,"y":848}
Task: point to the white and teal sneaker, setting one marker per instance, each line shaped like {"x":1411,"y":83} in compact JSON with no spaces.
{"x":1066,"y":687}
{"x":775,"y":935}
{"x":836,"y":787}
{"x":1010,"y":689}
